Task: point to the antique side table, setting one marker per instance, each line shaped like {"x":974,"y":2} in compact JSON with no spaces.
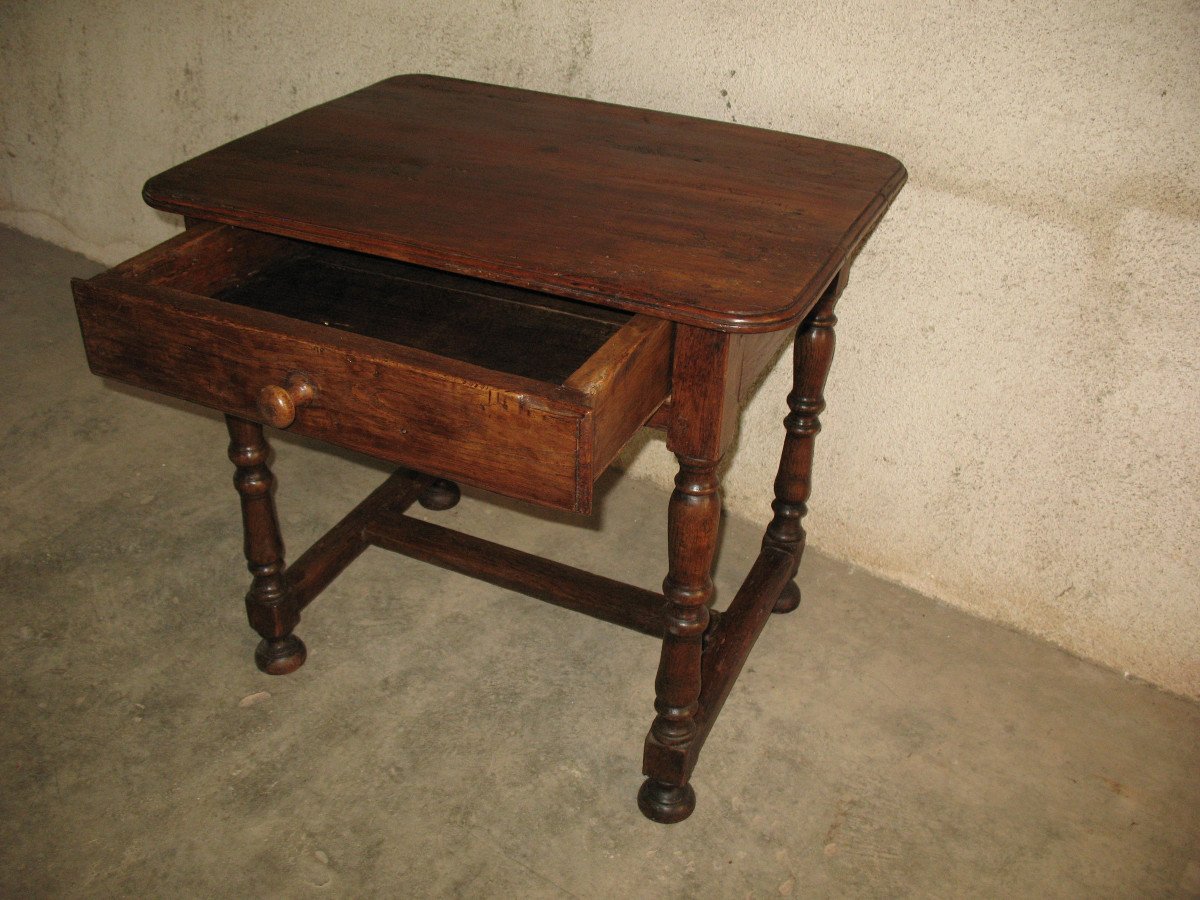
{"x":499,"y":287}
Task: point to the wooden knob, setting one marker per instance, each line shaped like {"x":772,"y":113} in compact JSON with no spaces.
{"x":277,"y":405}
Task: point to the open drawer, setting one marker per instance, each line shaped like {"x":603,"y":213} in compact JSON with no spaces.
{"x":521,"y":393}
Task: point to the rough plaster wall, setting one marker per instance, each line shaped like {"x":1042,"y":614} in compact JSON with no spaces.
{"x":1013,"y":408}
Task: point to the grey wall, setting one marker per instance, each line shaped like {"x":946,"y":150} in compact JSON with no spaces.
{"x":1013,"y":410}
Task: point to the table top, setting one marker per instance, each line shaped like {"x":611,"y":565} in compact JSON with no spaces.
{"x":708,"y":223}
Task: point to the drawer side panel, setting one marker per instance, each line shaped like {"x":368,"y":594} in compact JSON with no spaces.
{"x":626,"y":380}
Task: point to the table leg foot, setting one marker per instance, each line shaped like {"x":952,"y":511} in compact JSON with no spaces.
{"x":280,"y":657}
{"x":441,"y":494}
{"x":666,"y":803}
{"x":789,"y":598}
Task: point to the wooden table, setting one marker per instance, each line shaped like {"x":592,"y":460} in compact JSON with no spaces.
{"x":499,"y":287}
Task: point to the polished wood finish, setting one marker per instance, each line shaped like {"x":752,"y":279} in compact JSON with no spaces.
{"x":812,"y":358}
{"x":271,"y":609}
{"x":277,"y":404}
{"x":156,"y":322}
{"x":703,"y":222}
{"x":499,"y":287}
{"x":661,"y":417}
{"x":704,"y":411}
{"x":703,"y":418}
{"x":625,"y":381}
{"x":692,"y":518}
{"x":750,"y":356}
{"x":727,"y":646}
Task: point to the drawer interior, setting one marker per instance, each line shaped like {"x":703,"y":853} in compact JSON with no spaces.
{"x":511,"y":390}
{"x":502,"y":329}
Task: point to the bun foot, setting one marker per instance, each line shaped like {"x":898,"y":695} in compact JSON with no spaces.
{"x":441,"y":494}
{"x":280,"y":657}
{"x":789,"y":598}
{"x":666,"y":803}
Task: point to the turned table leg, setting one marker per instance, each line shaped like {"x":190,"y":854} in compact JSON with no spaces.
{"x":692,"y":521}
{"x":812,"y":357}
{"x":270,"y":609}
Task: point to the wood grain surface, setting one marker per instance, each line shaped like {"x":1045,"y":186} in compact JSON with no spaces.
{"x":545,"y":442}
{"x":707,"y":223}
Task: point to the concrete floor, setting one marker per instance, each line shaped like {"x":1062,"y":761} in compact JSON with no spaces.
{"x":447,"y":738}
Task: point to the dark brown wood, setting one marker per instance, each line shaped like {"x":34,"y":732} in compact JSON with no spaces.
{"x":440,"y":494}
{"x":277,"y":403}
{"x":512,"y":435}
{"x":703,"y":419}
{"x":529,"y":439}
{"x":727,"y":647}
{"x":703,"y":222}
{"x":272,"y":611}
{"x":692,"y":518}
{"x":730,"y":643}
{"x":752,"y":356}
{"x":321,"y":563}
{"x":813,"y":356}
{"x":498,"y":287}
{"x":562,"y":585}
{"x":459,"y":318}
{"x":625,"y":381}
{"x":704,"y":413}
{"x":661,"y":417}
{"x":203,"y":260}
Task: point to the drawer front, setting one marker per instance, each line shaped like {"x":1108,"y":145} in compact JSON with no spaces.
{"x":507,"y":434}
